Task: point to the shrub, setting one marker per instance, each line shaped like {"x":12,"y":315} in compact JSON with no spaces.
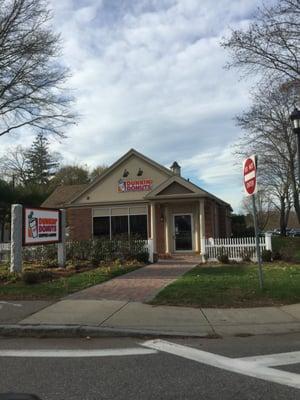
{"x":50,"y":264}
{"x":266,"y":255}
{"x":45,"y":275}
{"x":276,"y":255}
{"x":80,"y":249}
{"x":103,"y":249}
{"x":40,"y":253}
{"x":32,"y":277}
{"x":143,"y":256}
{"x":287,"y":247}
{"x":223,"y":258}
{"x":246,"y":255}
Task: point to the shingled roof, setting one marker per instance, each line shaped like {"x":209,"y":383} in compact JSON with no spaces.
{"x":62,"y":195}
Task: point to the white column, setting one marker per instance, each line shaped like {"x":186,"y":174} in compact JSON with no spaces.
{"x":153,"y":226}
{"x":61,"y":247}
{"x":197,"y":231}
{"x":167,"y":229}
{"x":202,"y":226}
{"x":16,"y":238}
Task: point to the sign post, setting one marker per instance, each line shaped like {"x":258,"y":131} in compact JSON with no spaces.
{"x":16,"y":238}
{"x":61,"y":247}
{"x":250,"y":185}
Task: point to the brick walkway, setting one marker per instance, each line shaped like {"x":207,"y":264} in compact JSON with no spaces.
{"x":140,"y":285}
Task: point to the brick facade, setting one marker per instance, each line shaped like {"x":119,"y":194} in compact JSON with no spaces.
{"x":222,"y":221}
{"x":217,"y":219}
{"x":79,"y":221}
{"x":209,"y":218}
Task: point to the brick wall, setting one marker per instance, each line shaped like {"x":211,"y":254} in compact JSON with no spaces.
{"x":222,"y":221}
{"x":209,"y":218}
{"x":79,"y":221}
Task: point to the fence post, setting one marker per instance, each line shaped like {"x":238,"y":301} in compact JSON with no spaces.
{"x":16,"y":238}
{"x":268,"y":238}
{"x":203,"y":249}
{"x":61,"y":247}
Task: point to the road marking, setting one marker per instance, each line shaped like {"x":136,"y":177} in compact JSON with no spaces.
{"x":237,"y":365}
{"x":272,"y":360}
{"x":133,"y":351}
{"x":2,"y":303}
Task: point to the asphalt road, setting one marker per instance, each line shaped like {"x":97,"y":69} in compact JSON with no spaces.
{"x":89,"y":371}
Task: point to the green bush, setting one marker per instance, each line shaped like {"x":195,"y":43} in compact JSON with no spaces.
{"x":276,"y":255}
{"x":33,"y":277}
{"x":246,"y":255}
{"x":40,"y":253}
{"x":266,"y":255}
{"x":45,"y":275}
{"x":287,"y":247}
{"x":99,"y":250}
{"x":50,"y":264}
{"x":30,"y":277}
{"x":223,"y":258}
{"x":143,"y":257}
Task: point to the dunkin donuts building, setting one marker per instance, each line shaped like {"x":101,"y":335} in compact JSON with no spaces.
{"x":138,"y":196}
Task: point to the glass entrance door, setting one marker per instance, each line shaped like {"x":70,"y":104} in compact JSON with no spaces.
{"x":183,"y":232}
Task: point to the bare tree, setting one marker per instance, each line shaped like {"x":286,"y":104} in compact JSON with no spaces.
{"x":97,"y":171}
{"x":13,"y":165}
{"x":268,"y":133}
{"x":276,"y":181}
{"x":263,"y":206}
{"x":32,"y":91}
{"x":70,"y":175}
{"x":271,"y":44}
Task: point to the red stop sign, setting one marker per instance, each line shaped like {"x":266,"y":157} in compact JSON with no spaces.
{"x":250,"y":175}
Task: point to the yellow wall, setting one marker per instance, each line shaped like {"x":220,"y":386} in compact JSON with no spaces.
{"x":182,"y":208}
{"x":107,"y":189}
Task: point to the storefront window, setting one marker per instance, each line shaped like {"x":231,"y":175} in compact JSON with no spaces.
{"x":138,"y":226}
{"x":119,"y":226}
{"x":101,"y":227}
{"x":115,"y":226}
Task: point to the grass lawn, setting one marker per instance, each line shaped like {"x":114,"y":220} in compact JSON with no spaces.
{"x":233,"y":286}
{"x":62,"y":286}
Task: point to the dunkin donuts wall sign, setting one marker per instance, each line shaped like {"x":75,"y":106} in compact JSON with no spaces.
{"x":41,"y":226}
{"x":141,"y":185}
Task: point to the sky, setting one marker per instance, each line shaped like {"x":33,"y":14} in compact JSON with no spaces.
{"x":149,"y":75}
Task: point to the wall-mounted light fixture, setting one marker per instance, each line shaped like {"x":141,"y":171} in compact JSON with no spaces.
{"x":140,"y":172}
{"x":125,"y":173}
{"x":162,"y":218}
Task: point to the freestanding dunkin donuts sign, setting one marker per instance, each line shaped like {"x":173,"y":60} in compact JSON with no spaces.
{"x":36,"y":226}
{"x":41,"y":226}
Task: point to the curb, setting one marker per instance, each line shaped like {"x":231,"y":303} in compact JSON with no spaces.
{"x":73,"y":331}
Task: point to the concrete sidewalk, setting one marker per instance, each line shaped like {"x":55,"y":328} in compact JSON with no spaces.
{"x":138,"y":318}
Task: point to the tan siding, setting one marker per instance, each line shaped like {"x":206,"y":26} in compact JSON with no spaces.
{"x":107,"y":190}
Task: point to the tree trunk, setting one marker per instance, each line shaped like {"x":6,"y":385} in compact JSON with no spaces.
{"x":282,"y":217}
{"x":296,"y":203}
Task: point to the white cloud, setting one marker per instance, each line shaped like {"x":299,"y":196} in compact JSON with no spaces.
{"x":149,"y":74}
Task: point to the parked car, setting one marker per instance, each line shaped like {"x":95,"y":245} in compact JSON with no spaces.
{"x":294,"y":232}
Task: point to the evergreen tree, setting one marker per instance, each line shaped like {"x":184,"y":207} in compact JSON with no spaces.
{"x":41,"y":163}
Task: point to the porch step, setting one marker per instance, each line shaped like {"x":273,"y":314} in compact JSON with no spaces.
{"x":179,"y":259}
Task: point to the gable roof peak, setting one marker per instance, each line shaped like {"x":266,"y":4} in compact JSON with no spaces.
{"x":129,"y":153}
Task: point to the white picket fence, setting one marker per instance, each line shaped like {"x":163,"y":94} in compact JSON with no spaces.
{"x":235,"y":248}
